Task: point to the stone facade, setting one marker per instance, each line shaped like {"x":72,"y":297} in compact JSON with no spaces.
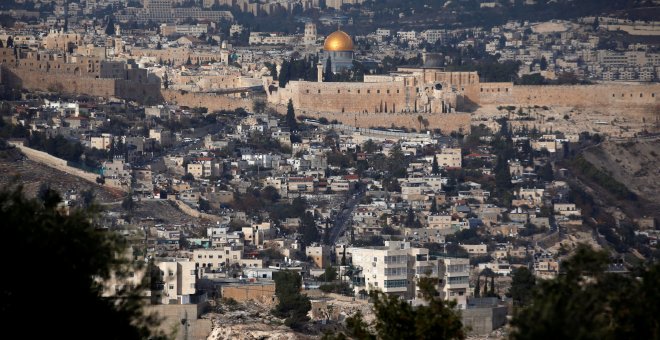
{"x":397,"y":99}
{"x":263,"y":292}
{"x":211,"y":101}
{"x":77,"y":74}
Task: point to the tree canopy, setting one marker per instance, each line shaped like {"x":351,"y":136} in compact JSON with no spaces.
{"x":397,"y":319}
{"x":57,"y":286}
{"x":587,"y":302}
{"x":292,"y":305}
{"x":290,"y":118}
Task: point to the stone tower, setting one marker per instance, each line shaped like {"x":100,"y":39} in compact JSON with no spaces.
{"x":310,"y":34}
{"x":319,"y":72}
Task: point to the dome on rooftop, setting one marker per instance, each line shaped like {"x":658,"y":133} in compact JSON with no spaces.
{"x":338,"y":41}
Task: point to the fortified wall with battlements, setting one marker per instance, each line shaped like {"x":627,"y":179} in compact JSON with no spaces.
{"x":75,"y":74}
{"x":432,"y":91}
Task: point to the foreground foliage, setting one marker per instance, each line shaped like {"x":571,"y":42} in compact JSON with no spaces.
{"x":588,"y":302}
{"x":56,"y":267}
{"x":397,"y":319}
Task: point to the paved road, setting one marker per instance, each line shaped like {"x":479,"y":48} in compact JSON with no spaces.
{"x":344,"y":218}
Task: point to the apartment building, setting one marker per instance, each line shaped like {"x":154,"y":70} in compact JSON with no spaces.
{"x":392,"y":269}
{"x":450,"y":158}
{"x":103,"y":142}
{"x":217,"y":258}
{"x":203,"y":167}
{"x":320,"y":255}
{"x":178,"y":281}
{"x":455,"y":280}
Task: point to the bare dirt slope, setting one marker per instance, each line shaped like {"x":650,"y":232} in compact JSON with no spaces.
{"x":636,"y":164}
{"x":18,"y":170}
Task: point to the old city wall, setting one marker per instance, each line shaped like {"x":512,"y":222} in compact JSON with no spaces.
{"x":209,"y":100}
{"x":54,"y":162}
{"x":374,"y":97}
{"x":66,"y":83}
{"x":177,"y":56}
{"x":186,"y":209}
{"x":146,"y":93}
{"x":620,"y":95}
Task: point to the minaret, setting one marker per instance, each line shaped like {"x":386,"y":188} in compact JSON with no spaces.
{"x":319,"y":72}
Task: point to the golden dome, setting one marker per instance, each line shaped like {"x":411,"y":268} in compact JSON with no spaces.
{"x":338,"y":41}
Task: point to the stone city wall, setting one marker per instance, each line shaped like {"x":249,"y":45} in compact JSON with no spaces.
{"x":54,"y":162}
{"x":619,"y":95}
{"x":347,"y":97}
{"x":209,"y":100}
{"x":180,"y":56}
{"x":65,"y":83}
{"x":34,"y":80}
{"x":186,"y":209}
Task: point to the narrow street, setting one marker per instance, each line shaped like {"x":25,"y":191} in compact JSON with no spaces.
{"x":344,"y":219}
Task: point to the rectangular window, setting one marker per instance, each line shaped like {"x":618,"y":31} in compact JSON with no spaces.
{"x":395,"y":283}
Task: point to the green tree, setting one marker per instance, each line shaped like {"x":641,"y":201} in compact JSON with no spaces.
{"x":110,"y":28}
{"x":330,"y":274}
{"x":434,"y":206}
{"x":343,"y":257}
{"x":77,"y":260}
{"x":522,"y":285}
{"x":410,"y":218}
{"x":308,"y":230}
{"x":435,"y":168}
{"x":290,"y":118}
{"x":87,"y":198}
{"x":545,"y":172}
{"x":477,"y":287}
{"x":587,"y":302}
{"x":492,"y":287}
{"x":128,"y":203}
{"x":543,"y":64}
{"x":327,"y":73}
{"x":397,"y":319}
{"x":369,"y":146}
{"x":292,"y":305}
{"x":204,"y":205}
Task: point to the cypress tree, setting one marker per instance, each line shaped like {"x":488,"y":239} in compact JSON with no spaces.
{"x":492,"y":286}
{"x":328,"y":75}
{"x":434,"y":206}
{"x":291,"y":116}
{"x":477,"y":289}
{"x":110,"y":29}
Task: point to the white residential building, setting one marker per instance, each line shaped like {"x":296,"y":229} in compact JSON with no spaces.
{"x":392,"y":269}
{"x":179,"y":278}
{"x":455,"y":280}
